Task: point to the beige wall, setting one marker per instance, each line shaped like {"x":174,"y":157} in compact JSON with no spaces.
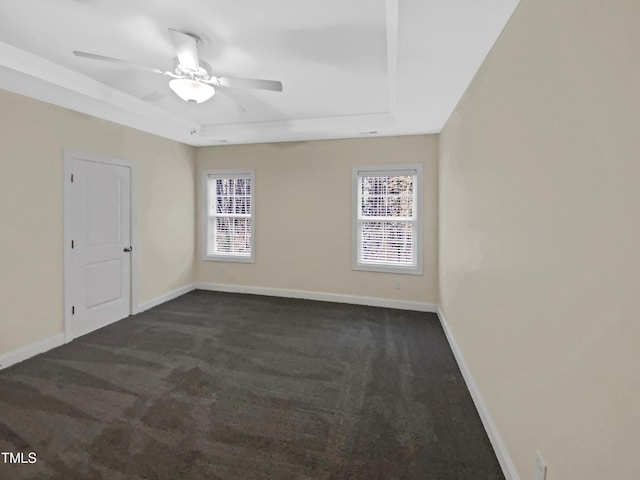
{"x":33,"y":136}
{"x":292,"y":178}
{"x":303,"y":190}
{"x":540,"y":236}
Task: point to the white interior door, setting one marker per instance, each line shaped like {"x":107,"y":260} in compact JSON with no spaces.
{"x":101,"y":249}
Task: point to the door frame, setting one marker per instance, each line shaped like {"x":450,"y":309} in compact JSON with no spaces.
{"x":69,"y":157}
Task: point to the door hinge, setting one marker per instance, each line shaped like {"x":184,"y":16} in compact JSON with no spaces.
{"x":73,"y":310}
{"x":72,"y":178}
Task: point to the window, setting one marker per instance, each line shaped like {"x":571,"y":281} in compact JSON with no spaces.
{"x":229,"y":215}
{"x":387,"y":227}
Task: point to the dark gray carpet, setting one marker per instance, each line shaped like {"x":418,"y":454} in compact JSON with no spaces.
{"x":239,"y":387}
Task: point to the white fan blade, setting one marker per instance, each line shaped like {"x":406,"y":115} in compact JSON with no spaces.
{"x":102,"y":58}
{"x":186,"y":49}
{"x":235,"y":82}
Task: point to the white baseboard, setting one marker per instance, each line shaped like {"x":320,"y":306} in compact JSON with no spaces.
{"x":165,"y":297}
{"x":508,"y":468}
{"x":20,"y":354}
{"x":320,"y":296}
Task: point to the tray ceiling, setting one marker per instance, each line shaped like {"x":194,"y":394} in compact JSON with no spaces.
{"x":349,"y":68}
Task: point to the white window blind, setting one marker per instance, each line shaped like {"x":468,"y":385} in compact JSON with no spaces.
{"x":387,"y":221}
{"x":229,"y":215}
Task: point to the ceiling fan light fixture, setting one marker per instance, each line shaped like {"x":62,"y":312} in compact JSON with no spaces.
{"x":191,"y":90}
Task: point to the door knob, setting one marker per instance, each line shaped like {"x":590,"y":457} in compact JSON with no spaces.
{"x":127,"y":249}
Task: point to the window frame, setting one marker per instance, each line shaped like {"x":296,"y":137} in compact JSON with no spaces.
{"x":387,"y":169}
{"x":240,"y":173}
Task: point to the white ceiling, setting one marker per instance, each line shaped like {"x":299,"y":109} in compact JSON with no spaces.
{"x":349,"y":67}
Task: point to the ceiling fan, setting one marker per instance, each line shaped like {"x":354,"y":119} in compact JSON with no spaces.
{"x":192,"y":78}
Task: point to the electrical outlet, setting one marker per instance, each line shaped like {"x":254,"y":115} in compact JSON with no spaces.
{"x":397,"y":285}
{"x":221,"y":270}
{"x":540,"y":472}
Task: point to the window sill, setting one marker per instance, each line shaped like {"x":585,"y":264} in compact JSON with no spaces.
{"x":228,"y":258}
{"x":388,"y":269}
